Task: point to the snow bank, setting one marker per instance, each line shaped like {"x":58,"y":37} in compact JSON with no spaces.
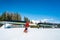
{"x":33,"y":34}
{"x":6,"y":25}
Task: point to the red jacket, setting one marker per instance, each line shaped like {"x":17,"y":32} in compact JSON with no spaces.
{"x":27,"y":24}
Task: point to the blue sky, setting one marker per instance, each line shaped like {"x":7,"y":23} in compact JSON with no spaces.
{"x":33,"y":9}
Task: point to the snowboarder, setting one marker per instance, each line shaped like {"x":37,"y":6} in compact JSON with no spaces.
{"x":26,"y":26}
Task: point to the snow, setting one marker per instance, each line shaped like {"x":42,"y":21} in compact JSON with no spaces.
{"x":5,"y":26}
{"x":32,"y":34}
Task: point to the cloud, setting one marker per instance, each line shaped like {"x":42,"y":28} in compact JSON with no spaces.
{"x":50,"y":20}
{"x":47,"y":20}
{"x":35,"y":21}
{"x":43,"y":20}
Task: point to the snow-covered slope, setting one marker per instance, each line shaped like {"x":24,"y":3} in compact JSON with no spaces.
{"x":33,"y":34}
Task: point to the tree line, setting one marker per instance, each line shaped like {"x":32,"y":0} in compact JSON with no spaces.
{"x":6,"y":16}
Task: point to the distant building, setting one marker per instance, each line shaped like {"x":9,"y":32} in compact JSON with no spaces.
{"x":48,"y":25}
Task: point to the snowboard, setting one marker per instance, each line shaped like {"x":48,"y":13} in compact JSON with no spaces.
{"x":25,"y":31}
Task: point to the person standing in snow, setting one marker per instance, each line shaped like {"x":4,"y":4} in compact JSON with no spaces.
{"x":26,"y":26}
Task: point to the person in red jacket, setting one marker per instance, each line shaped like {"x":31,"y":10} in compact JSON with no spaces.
{"x":26,"y":26}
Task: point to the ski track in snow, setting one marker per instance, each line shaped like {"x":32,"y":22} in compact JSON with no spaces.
{"x":32,"y":34}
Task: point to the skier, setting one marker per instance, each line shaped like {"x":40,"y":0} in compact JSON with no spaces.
{"x":26,"y":26}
